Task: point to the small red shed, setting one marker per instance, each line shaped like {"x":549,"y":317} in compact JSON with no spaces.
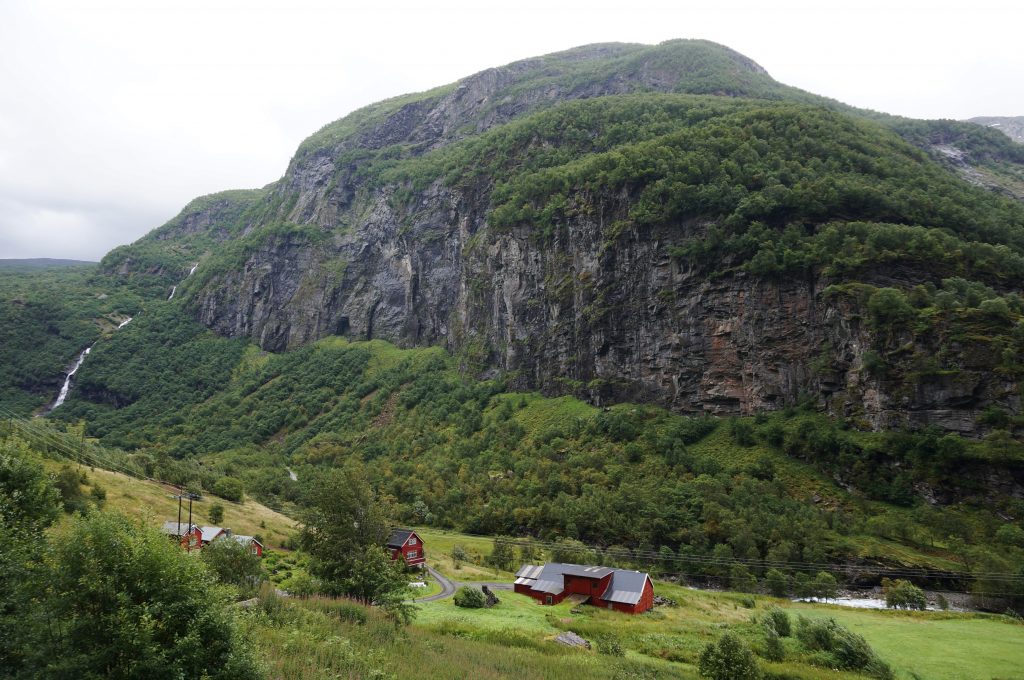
{"x":405,"y":543}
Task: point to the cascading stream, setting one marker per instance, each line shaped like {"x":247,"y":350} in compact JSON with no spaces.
{"x":65,"y":389}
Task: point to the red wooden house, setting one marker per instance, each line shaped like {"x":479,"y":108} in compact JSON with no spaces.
{"x":190,"y":536}
{"x":405,"y":543}
{"x":623,"y":590}
{"x":250,"y":542}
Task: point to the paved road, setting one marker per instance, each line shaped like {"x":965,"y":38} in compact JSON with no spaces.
{"x":449,"y":587}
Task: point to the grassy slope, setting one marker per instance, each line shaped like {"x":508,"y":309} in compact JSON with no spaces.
{"x":933,"y":645}
{"x":139,"y":498}
{"x":513,"y":640}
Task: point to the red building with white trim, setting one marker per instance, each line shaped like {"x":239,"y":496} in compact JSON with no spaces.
{"x":407,"y":544}
{"x":631,"y":592}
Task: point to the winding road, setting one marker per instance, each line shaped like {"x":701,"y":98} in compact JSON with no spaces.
{"x":448,"y":587}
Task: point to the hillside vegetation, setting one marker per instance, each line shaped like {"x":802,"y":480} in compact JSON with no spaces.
{"x":450,"y":451}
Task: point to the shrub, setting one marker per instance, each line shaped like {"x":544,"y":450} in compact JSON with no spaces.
{"x":728,"y":659}
{"x":229,"y":488}
{"x":902,"y":594}
{"x":216,"y":513}
{"x":470,"y":598}
{"x":773,"y":648}
{"x":845,"y":649}
{"x":778,"y":620}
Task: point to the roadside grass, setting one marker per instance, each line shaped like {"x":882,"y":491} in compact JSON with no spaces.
{"x":139,"y":498}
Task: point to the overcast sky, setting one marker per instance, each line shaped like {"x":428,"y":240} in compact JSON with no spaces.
{"x":113,"y":115}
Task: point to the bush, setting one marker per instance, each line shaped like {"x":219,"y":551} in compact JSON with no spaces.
{"x":216,"y":513}
{"x":778,"y":620}
{"x":902,"y":594}
{"x":229,"y":488}
{"x":845,"y":649}
{"x":728,"y":659}
{"x":773,"y":648}
{"x":470,"y":598}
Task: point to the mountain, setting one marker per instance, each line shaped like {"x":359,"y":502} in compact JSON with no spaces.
{"x":665,"y":224}
{"x":1011,"y":126}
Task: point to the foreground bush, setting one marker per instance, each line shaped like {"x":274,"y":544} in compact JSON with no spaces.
{"x":845,"y":649}
{"x":470,"y":598}
{"x":728,"y":659}
{"x":131,"y":603}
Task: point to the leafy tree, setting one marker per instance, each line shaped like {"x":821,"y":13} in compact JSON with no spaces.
{"x":889,"y":308}
{"x":777,"y":582}
{"x":902,"y":594}
{"x":344,"y":531}
{"x":69,"y":483}
{"x":233,"y":563}
{"x":470,"y":598}
{"x":825,"y":586}
{"x":728,"y":659}
{"x":217,"y":513}
{"x":342,"y":519}
{"x":229,"y":488}
{"x":571,"y":551}
{"x":131,"y":604}
{"x":502,"y":555}
{"x":29,"y":504}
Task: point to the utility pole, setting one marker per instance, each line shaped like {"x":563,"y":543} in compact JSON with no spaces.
{"x":191,"y":497}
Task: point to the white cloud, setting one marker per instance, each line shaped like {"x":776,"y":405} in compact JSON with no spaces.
{"x":114,"y":114}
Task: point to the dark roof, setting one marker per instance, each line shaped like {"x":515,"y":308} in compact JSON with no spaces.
{"x":399,"y":537}
{"x":625,"y":586}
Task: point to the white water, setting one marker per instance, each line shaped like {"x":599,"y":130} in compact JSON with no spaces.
{"x":193,"y":270}
{"x":66,"y":387}
{"x":173,"y":290}
{"x":857,"y":602}
{"x":291,"y":474}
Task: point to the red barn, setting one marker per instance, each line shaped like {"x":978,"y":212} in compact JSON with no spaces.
{"x":407,"y":544}
{"x":623,"y":590}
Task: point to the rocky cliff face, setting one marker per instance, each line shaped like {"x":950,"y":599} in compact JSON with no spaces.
{"x":1011,"y":126}
{"x":592,"y":309}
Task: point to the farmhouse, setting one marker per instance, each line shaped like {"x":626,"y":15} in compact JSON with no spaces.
{"x":620,"y":589}
{"x":405,"y":543}
{"x":188,"y":535}
{"x":250,"y":542}
{"x":213,"y":533}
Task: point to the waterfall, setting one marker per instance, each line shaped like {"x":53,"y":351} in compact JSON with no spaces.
{"x":171,"y":296}
{"x":66,"y":387}
{"x":193,"y":270}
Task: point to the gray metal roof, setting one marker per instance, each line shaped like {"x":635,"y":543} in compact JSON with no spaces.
{"x":210,"y":533}
{"x":245,"y":540}
{"x":626,"y":586}
{"x":529,"y":571}
{"x":399,"y":537}
{"x":177,"y":529}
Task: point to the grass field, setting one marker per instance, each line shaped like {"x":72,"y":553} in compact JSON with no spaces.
{"x":139,"y":498}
